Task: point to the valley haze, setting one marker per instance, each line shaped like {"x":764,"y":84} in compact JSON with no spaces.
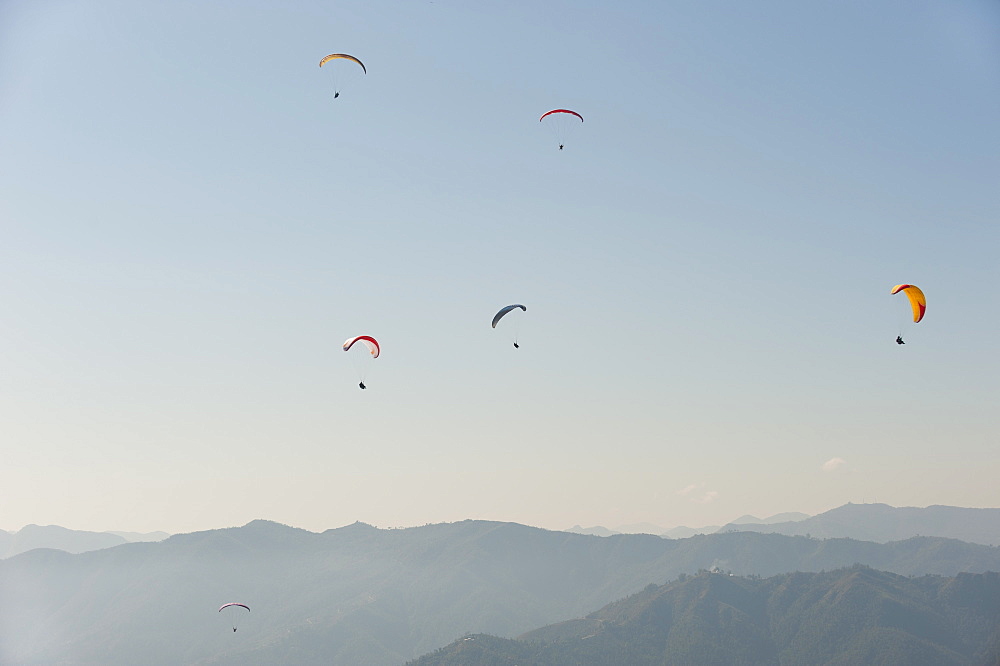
{"x":361,"y":595}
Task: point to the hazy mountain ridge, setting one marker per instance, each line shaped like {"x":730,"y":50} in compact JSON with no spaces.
{"x":361,"y":595}
{"x":30,"y":537}
{"x":673,"y":533}
{"x":883,"y":523}
{"x":786,"y":517}
{"x":682,"y":531}
{"x":135,"y":537}
{"x":850,"y":616}
{"x":880,"y":523}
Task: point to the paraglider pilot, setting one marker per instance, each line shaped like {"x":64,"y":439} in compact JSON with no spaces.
{"x":361,"y":385}
{"x":899,"y":340}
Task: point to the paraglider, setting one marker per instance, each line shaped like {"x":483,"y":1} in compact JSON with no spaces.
{"x":341,"y":56}
{"x":918,"y":304}
{"x":362,"y":359}
{"x":502,"y":313}
{"x":560,"y":122}
{"x":234,"y":612}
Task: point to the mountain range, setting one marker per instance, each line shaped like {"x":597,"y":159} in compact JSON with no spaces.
{"x":867,"y":522}
{"x":360,"y":595}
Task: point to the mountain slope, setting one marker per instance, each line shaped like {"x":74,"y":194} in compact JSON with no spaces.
{"x":850,"y":616}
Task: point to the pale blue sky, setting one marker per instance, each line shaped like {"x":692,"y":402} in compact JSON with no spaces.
{"x":192,"y":225}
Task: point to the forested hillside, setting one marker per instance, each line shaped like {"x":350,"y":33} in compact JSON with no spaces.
{"x":846,"y":617}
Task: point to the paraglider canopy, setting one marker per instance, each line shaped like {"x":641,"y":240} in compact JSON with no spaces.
{"x":335,"y":56}
{"x":549,"y":113}
{"x":498,"y":316}
{"x":917,"y":301}
{"x":233,"y":603}
{"x":367,"y":341}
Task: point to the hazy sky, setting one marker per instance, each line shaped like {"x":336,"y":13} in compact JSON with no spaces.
{"x":192,"y":225}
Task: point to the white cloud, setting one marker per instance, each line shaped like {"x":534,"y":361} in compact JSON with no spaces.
{"x":706,"y":498}
{"x":693,"y":493}
{"x":833,"y":463}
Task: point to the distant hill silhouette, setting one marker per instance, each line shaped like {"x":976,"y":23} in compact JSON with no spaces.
{"x":883,"y":523}
{"x":640,"y":528}
{"x":30,"y":537}
{"x":673,"y":533}
{"x":597,"y":530}
{"x":787,"y":517}
{"x":683,"y":532}
{"x":133,"y":537}
{"x":850,"y":616}
{"x":359,"y":595}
